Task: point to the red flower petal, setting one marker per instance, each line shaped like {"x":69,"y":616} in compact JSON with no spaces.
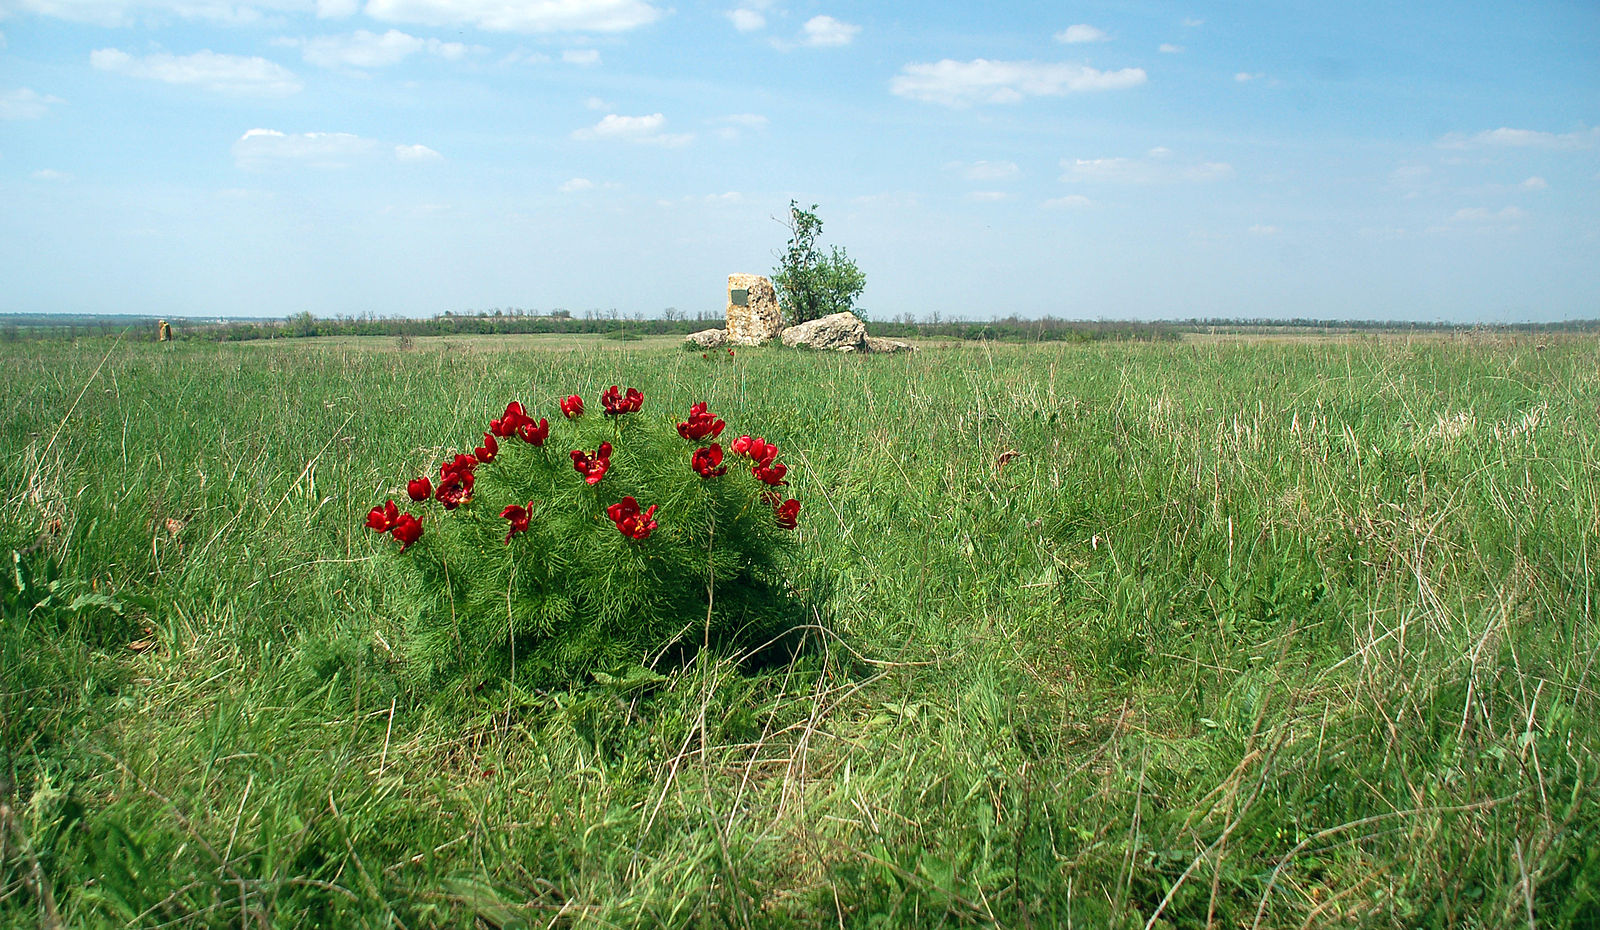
{"x":407,"y":529}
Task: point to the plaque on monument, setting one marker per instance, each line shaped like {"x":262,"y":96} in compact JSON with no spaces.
{"x":739,"y":296}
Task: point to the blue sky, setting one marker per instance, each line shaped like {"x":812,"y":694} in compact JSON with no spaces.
{"x":1426,"y":160}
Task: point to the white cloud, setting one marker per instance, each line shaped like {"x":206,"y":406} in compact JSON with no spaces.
{"x":337,"y":9}
{"x":985,"y":170}
{"x":746,"y":20}
{"x":1534,"y":183}
{"x":363,"y":49}
{"x":646,"y":130}
{"x":576,"y":185}
{"x":1167,"y":48}
{"x":827,"y":32}
{"x":730,"y":197}
{"x":1523,"y":138}
{"x":520,"y":57}
{"x":613,"y":126}
{"x":227,"y":74}
{"x":1082,"y":32}
{"x":733,"y":125}
{"x":265,"y":148}
{"x":1069,"y":202}
{"x":746,"y":120}
{"x":268,"y":148}
{"x":50,"y":174}
{"x":1409,"y":175}
{"x":1262,"y":229}
{"x":519,"y":15}
{"x":1155,"y":169}
{"x":581,"y":56}
{"x":1245,"y":77}
{"x":26,"y":103}
{"x":2,"y":40}
{"x":416,"y":154}
{"x":114,"y":13}
{"x":1192,"y":22}
{"x":987,"y":196}
{"x":964,"y":83}
{"x":595,"y":103}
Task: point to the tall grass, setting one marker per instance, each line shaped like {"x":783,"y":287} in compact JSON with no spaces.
{"x":1114,"y":635}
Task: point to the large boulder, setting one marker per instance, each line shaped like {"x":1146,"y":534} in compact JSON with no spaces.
{"x":839,"y":331}
{"x":875,"y":345}
{"x":753,"y":314}
{"x":706,"y":339}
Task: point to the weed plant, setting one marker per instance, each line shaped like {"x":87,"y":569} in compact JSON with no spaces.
{"x":1109,"y":635}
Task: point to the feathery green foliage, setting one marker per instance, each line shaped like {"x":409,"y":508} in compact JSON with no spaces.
{"x":572,"y":595}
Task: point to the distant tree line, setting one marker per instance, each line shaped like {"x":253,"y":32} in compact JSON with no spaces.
{"x":672,"y":322}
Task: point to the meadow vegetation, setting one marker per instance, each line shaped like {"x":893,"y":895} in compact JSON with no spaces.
{"x":1099,"y":635}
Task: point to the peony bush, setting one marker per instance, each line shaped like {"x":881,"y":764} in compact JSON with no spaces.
{"x":589,"y":544}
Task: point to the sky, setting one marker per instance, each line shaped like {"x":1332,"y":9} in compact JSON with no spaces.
{"x":1433,"y":161}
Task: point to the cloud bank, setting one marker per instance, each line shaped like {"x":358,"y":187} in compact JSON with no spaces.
{"x":224,"y":74}
{"x":965,"y":83}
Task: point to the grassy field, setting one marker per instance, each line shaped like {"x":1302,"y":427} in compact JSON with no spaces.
{"x":1181,"y":635}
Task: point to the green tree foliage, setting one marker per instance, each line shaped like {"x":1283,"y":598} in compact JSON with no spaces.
{"x":809,"y":283}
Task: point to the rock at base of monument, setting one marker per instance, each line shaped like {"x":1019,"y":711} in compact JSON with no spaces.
{"x":706,"y":339}
{"x":837,"y":331}
{"x":876,"y":345}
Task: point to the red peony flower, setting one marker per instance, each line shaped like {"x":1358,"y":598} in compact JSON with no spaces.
{"x":616,"y":402}
{"x":534,"y":434}
{"x":506,"y":426}
{"x":463,"y":464}
{"x":706,"y":461}
{"x":592,"y":469}
{"x":760,"y":450}
{"x":788,"y":513}
{"x":771,"y":474}
{"x":407,"y":529}
{"x":700,"y":425}
{"x":489,"y":449}
{"x":454,"y":489}
{"x":630,"y":522}
{"x":382,"y":519}
{"x":419,"y":489}
{"x":518,"y":515}
{"x":572,"y":407}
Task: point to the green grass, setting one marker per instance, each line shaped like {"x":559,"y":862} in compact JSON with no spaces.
{"x":1239,"y":635}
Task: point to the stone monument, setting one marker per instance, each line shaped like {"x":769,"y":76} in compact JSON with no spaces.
{"x":753,"y":314}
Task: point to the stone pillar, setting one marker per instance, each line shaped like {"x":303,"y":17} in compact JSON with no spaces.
{"x":753,"y":314}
